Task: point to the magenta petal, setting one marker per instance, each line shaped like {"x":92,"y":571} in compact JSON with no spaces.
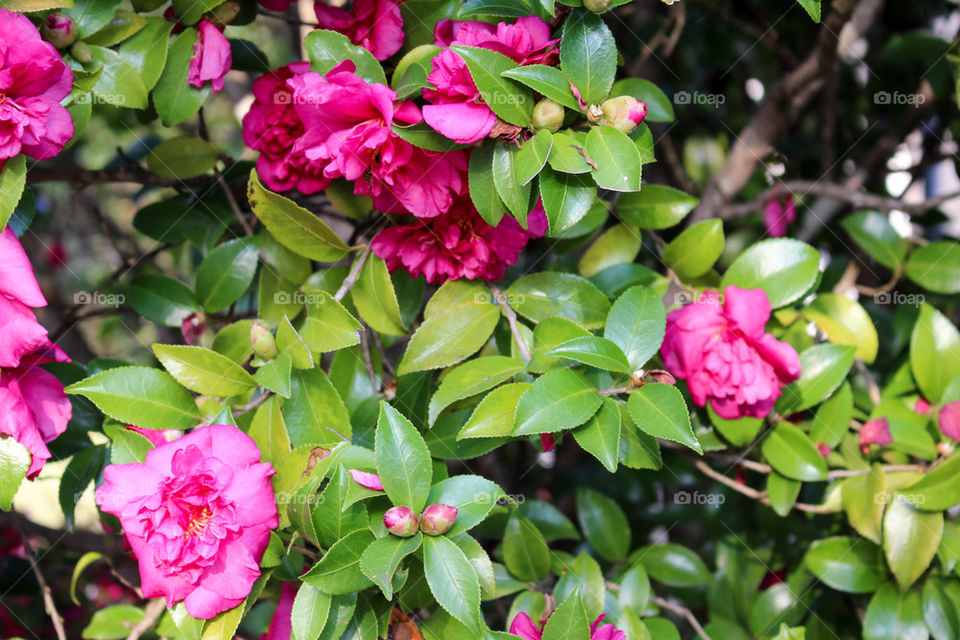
{"x":368,"y":480}
{"x":461,"y":122}
{"x":16,"y":273}
{"x":950,"y":420}
{"x":750,"y":308}
{"x":524,"y":627}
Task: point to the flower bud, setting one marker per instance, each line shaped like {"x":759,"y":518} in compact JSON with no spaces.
{"x":950,"y":420}
{"x":437,"y":519}
{"x":548,"y":115}
{"x":59,"y":30}
{"x":81,"y":52}
{"x":624,"y":112}
{"x":192,"y":328}
{"x":262,"y":340}
{"x":401,"y":521}
{"x":597,"y":6}
{"x":876,"y":431}
{"x":224,"y":13}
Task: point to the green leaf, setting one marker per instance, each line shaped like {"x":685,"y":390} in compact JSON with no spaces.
{"x":655,"y":207}
{"x":451,"y":335}
{"x":812,"y":7}
{"x":310,"y":610}
{"x":832,"y":420}
{"x":410,"y":74}
{"x":382,"y":558}
{"x":483,"y":189}
{"x":494,"y":415}
{"x":782,"y":493}
{"x":332,"y":517}
{"x":113,"y":622}
{"x":568,"y":154}
{"x":619,"y":244}
{"x":226,"y":273}
{"x":588,"y":55}
{"x":566,"y":199}
{"x":182,"y":157}
{"x":936,"y":267}
{"x":568,"y":622}
{"x":595,"y":352}
{"x":338,"y":572}
{"x":791,"y":452}
{"x":617,"y":159}
{"x":894,"y":616}
{"x":693,"y":252}
{"x":161,"y":299}
{"x":14,"y":462}
{"x":600,"y":436}
{"x":269,"y":431}
{"x":275,"y":375}
{"x":543,"y":295}
{"x":204,"y":371}
{"x":506,"y":179}
{"x":293,"y":226}
{"x":511,"y":101}
{"x":637,"y":323}
{"x":403,"y":460}
{"x":532,"y":157}
{"x":471,"y":378}
{"x":864,"y":498}
{"x":329,"y":326}
{"x":847,"y":564}
{"x":89,"y":15}
{"x":147,"y":50}
{"x":474,"y":496}
{"x":939,"y":611}
{"x":524,"y":549}
{"x":13,"y":179}
{"x":119,"y":82}
{"x":910,"y":540}
{"x":659,"y":409}
{"x":823,"y":369}
{"x":937,"y":489}
{"x":291,"y":343}
{"x":934,"y":352}
{"x":314,"y":413}
{"x":672,"y":564}
{"x":604,"y":524}
{"x":784,"y":268}
{"x":423,"y":136}
{"x":547,"y":81}
{"x":375,"y":298}
{"x":739,"y":432}
{"x":874,"y":234}
{"x":845,"y":322}
{"x":139,"y":395}
{"x":452,"y":580}
{"x":83,"y":468}
{"x":557,"y":400}
{"x":128,"y":446}
{"x":326,"y":49}
{"x":659,"y":106}
{"x":175,"y":99}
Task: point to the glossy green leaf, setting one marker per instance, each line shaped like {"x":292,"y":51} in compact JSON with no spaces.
{"x":616,"y":158}
{"x":568,"y":154}
{"x":936,"y":267}
{"x":655,"y":207}
{"x":595,"y":352}
{"x":910,"y":539}
{"x":314,"y":413}
{"x":845,"y":322}
{"x":494,"y":415}
{"x":532,"y":156}
{"x":452,"y":335}
{"x":938,"y":489}
{"x":471,"y":378}
{"x":566,"y":199}
{"x":13,"y":178}
{"x":310,"y":610}
{"x":525,"y":550}
{"x":403,"y":460}
{"x":846,"y":564}
{"x":161,"y":299}
{"x":600,"y":436}
{"x":452,"y":580}
{"x":510,"y":100}
{"x":381,"y":559}
{"x":864,"y":499}
{"x":696,"y":249}
{"x":874,"y":234}
{"x":784,"y":268}
{"x":588,"y":55}
{"x":338,"y":572}
{"x":119,"y":82}
{"x":226,"y":273}
{"x":14,"y":462}
{"x":619,"y":244}
{"x":823,"y":368}
{"x":547,"y":81}
{"x":791,"y":452}
{"x":568,"y":622}
{"x":782,"y":493}
{"x":326,"y":49}
{"x":659,"y":105}
{"x":375,"y":298}
{"x":545,"y":295}
{"x":204,"y":371}
{"x":659,"y":409}
{"x":269,"y":431}
{"x":672,"y":564}
{"x":636,"y":323}
{"x":506,"y":178}
{"x":147,"y":50}
{"x":892,"y":615}
{"x":182,"y":157}
{"x":483,"y":189}
{"x":934,"y":352}
{"x":175,"y":99}
{"x":275,"y":375}
{"x":604,"y":524}
{"x":558,"y":400}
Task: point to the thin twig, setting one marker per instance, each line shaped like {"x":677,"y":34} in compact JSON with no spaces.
{"x":353,"y":276}
{"x":615,"y":391}
{"x":682,"y":611}
{"x":367,"y":359}
{"x":44,"y":588}
{"x":153,"y":612}
{"x":501,"y":299}
{"x":232,"y":199}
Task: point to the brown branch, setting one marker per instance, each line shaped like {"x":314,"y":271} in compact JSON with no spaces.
{"x":153,"y":612}
{"x":683,"y":612}
{"x":86,"y":177}
{"x":353,"y":276}
{"x":48,"y":603}
{"x":501,"y":299}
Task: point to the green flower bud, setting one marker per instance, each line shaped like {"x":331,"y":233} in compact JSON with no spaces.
{"x":548,"y":115}
{"x":597,"y":6}
{"x":81,"y":52}
{"x":263,"y":343}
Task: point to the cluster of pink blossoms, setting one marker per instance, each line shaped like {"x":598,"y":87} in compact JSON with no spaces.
{"x":33,"y":81}
{"x":33,"y":407}
{"x":312,"y":128}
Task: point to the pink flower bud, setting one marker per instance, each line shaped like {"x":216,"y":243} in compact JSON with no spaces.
{"x":59,"y":30}
{"x":192,"y":328}
{"x":922,"y":406}
{"x":401,"y":521}
{"x":263,"y":343}
{"x":547,"y":442}
{"x":624,"y":112}
{"x":437,"y":519}
{"x":876,"y":431}
{"x":950,"y":420}
{"x":823,"y":449}
{"x":368,"y":480}
{"x":548,"y":115}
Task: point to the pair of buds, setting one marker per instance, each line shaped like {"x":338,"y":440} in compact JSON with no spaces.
{"x":435,"y":520}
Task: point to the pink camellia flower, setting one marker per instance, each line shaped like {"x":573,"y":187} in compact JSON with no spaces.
{"x":272,"y":126}
{"x":375,"y":25}
{"x":457,"y":244}
{"x":437,"y":519}
{"x":950,"y":420}
{"x":456,"y":108}
{"x":211,"y":57}
{"x":401,"y":521}
{"x":20,"y":334}
{"x":425,"y":183}
{"x":876,"y":431}
{"x":364,"y":479}
{"x":524,"y":627}
{"x":197,"y":514}
{"x":33,"y":81}
{"x":777,"y":215}
{"x":722,"y":351}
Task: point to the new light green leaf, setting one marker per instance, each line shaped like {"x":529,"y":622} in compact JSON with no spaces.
{"x":204,"y":371}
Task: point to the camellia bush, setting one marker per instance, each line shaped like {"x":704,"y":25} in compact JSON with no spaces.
{"x":483,"y":319}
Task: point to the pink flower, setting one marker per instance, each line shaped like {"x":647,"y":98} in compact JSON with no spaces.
{"x":876,"y":431}
{"x":281,"y":625}
{"x":722,"y":352}
{"x":369,"y":480}
{"x":524,"y":627}
{"x":20,"y":334}
{"x":424,"y":183}
{"x":457,"y":244}
{"x":272,"y":126}
{"x":155,"y":437}
{"x":777,"y":215}
{"x":456,"y":108}
{"x":950,"y":420}
{"x":33,"y":81}
{"x":375,"y":25}
{"x":197,"y":514}
{"x":211,"y":57}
